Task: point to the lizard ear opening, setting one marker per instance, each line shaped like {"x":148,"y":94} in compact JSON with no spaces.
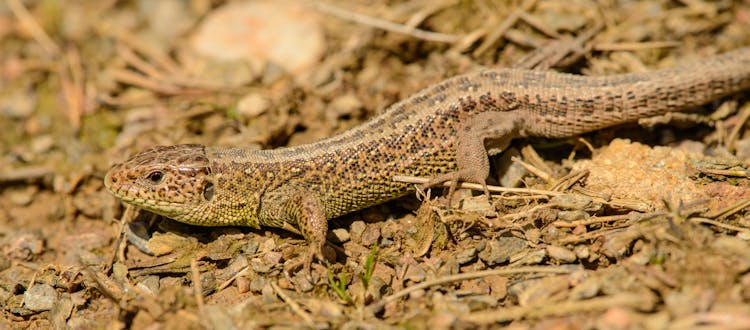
{"x":208,"y":192}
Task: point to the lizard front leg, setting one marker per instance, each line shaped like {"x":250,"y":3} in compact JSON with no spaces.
{"x":304,"y":212}
{"x":485,"y":131}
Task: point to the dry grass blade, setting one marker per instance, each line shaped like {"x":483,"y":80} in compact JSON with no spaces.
{"x":730,"y":173}
{"x":198,"y":289}
{"x":136,"y":79}
{"x":592,"y":221}
{"x":72,"y":82}
{"x":533,"y":169}
{"x":497,"y":33}
{"x":294,"y":306}
{"x":421,"y":15}
{"x":29,"y":173}
{"x":385,"y":25}
{"x":633,"y":46}
{"x":732,"y":209}
{"x":33,"y":27}
{"x":642,"y":300}
{"x":569,"y":180}
{"x":466,"y":276}
{"x":745,"y":231}
{"x":478,"y":187}
{"x":738,"y":127}
{"x":129,"y":56}
{"x":139,"y":46}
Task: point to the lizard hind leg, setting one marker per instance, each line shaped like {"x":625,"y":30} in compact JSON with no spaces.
{"x":485,"y":131}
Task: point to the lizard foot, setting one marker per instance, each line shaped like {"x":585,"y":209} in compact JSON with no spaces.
{"x":306,"y":211}
{"x":305,"y":262}
{"x":464,"y":175}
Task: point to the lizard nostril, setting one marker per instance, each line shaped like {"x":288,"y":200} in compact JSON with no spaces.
{"x":109,"y":180}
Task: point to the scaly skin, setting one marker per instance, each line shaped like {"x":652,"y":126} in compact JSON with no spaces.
{"x":443,"y":132}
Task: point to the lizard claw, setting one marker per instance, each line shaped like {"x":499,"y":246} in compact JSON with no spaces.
{"x":305,"y":262}
{"x":454,"y":178}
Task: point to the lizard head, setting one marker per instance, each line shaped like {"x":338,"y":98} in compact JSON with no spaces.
{"x":173,"y":181}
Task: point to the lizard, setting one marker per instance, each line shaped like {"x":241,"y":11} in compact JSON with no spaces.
{"x":445,"y":132}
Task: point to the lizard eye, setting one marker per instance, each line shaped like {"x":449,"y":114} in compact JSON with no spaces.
{"x":155,"y":177}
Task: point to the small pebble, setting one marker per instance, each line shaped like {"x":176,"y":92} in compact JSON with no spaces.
{"x":260,"y":266}
{"x":237,"y":264}
{"x":150,"y":284}
{"x":532,"y":235}
{"x":267,"y":244}
{"x":340,"y":235}
{"x":40,"y":297}
{"x":571,"y":201}
{"x":477,"y":204}
{"x":252,"y":105}
{"x":21,"y":197}
{"x":42,"y":144}
{"x":492,"y":254}
{"x":415,"y":273}
{"x":302,"y":284}
{"x":216,"y":317}
{"x":582,"y":251}
{"x":272,"y":257}
{"x":571,"y":216}
{"x":356,"y":230}
{"x":258,"y":283}
{"x":168,"y":19}
{"x":498,"y":286}
{"x":250,"y":248}
{"x":376,"y":288}
{"x":616,"y":318}
{"x":371,"y":235}
{"x":17,"y":105}
{"x":465,"y":256}
{"x":501,"y":249}
{"x":346,"y":105}
{"x":533,"y":258}
{"x":561,"y":254}
{"x":23,"y":245}
{"x":243,"y":284}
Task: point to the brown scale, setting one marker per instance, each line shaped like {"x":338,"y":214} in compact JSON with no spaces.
{"x":441,"y":133}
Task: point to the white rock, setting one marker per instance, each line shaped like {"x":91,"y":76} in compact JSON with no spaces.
{"x":284,"y":32}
